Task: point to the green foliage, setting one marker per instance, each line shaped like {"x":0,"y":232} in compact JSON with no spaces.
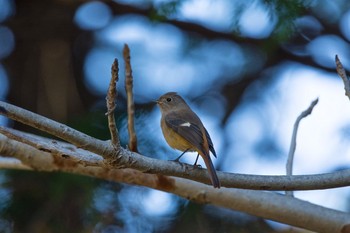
{"x":165,"y":10}
{"x":286,"y":12}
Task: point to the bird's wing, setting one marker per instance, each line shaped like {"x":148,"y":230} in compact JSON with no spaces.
{"x":188,"y":130}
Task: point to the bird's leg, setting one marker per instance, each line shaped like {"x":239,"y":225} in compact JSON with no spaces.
{"x":178,"y":158}
{"x":195,"y":163}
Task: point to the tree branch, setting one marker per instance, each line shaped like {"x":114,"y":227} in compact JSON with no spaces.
{"x":258,"y":182}
{"x":111,"y":97}
{"x":59,"y":130}
{"x":56,"y":148}
{"x":263,"y":204}
{"x":341,"y":72}
{"x":130,"y":99}
{"x":12,"y":163}
{"x":293,"y":144}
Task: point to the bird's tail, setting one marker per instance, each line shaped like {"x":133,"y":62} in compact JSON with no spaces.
{"x":211,"y":170}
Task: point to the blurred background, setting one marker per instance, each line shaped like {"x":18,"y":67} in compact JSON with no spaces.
{"x":248,"y":68}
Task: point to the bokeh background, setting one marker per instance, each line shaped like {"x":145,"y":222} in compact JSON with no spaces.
{"x":248,"y":68}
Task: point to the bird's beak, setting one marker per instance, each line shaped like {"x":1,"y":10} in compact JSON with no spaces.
{"x":157,"y":101}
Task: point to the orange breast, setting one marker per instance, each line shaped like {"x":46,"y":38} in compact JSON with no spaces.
{"x":174,"y":139}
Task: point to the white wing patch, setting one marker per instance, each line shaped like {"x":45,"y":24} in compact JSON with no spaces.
{"x":186,"y":124}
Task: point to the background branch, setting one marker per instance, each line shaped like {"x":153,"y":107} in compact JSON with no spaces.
{"x":341,"y":72}
{"x":293,"y":144}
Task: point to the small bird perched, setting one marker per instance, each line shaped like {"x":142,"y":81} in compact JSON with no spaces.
{"x":184,"y":131}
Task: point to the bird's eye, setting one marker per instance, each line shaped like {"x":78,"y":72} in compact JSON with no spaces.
{"x":168,"y":99}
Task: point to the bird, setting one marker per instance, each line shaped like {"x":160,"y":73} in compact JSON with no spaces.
{"x":184,"y":131}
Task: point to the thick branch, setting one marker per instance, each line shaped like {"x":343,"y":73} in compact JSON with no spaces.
{"x":263,"y":204}
{"x":56,"y":148}
{"x":257,"y":182}
{"x":12,"y":163}
{"x":59,"y":130}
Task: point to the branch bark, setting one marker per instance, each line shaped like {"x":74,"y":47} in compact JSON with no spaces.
{"x":263,"y":204}
{"x":127,"y":159}
{"x":111,"y":97}
{"x":59,"y":130}
{"x":341,"y":72}
{"x":130,"y":99}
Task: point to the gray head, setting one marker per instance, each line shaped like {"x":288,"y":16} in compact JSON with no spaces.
{"x":171,"y":101}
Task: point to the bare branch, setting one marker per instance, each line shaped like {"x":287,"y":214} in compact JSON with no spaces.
{"x":270,"y":206}
{"x":257,"y":182}
{"x":341,"y":72}
{"x":56,"y":148}
{"x":111,"y":105}
{"x":130,"y":99}
{"x":12,"y":163}
{"x":293,"y":144}
{"x":149,"y":165}
{"x":59,"y":130}
{"x":263,"y":204}
{"x":26,"y":154}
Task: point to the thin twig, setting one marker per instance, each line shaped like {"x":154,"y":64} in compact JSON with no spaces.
{"x":130,"y":99}
{"x":341,"y":72}
{"x":293,"y":143}
{"x":111,"y":105}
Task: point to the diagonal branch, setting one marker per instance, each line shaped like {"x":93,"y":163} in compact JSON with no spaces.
{"x":130,"y":99}
{"x":293,"y":144}
{"x":57,"y":149}
{"x":155,"y":166}
{"x":59,"y":130}
{"x":267,"y":205}
{"x":12,"y":163}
